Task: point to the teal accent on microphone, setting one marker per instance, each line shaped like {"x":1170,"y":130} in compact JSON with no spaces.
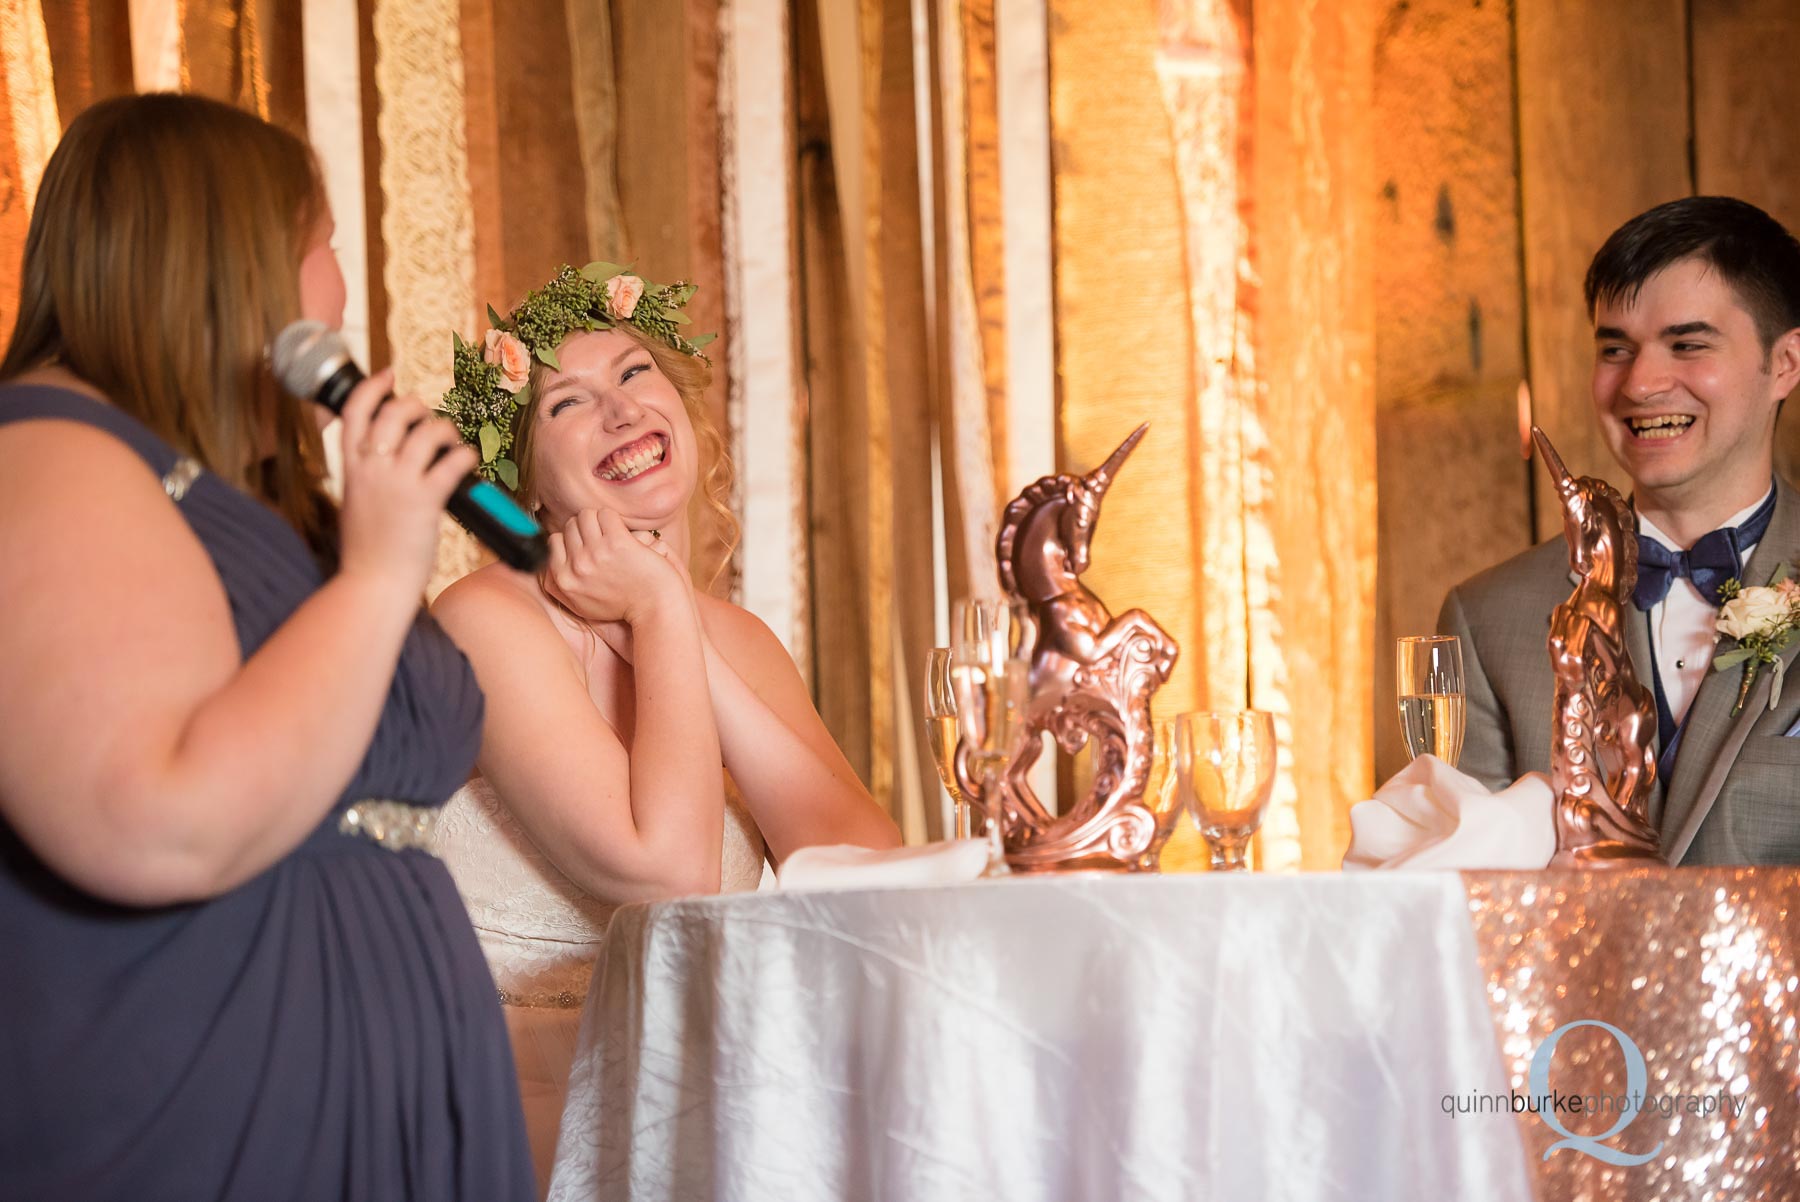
{"x":503,"y":509}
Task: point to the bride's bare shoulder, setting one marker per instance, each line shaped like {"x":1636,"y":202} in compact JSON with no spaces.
{"x":743,"y":638}
{"x":491,"y":596}
{"x":721,"y":617}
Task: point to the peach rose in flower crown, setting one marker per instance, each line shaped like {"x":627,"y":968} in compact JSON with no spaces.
{"x":622,"y":293}
{"x":510,"y":356}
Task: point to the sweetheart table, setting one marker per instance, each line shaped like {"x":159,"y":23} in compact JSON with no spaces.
{"x":1313,"y":1037}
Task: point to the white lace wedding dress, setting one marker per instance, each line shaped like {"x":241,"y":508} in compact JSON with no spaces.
{"x":542,"y":934}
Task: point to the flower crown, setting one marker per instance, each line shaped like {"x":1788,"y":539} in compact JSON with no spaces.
{"x":492,"y":381}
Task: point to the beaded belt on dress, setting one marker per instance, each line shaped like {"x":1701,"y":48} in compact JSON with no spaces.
{"x":561,"y":1000}
{"x":394,"y":825}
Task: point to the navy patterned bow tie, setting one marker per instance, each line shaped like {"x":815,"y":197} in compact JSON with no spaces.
{"x":1709,"y":563}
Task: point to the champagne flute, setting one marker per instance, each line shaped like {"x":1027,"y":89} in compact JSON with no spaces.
{"x":1428,"y":672}
{"x":1004,"y":626}
{"x":991,"y":684}
{"x":1226,"y":764}
{"x":940,"y":732}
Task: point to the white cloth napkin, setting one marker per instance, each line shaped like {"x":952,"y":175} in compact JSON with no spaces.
{"x":1432,"y":816}
{"x":846,"y":867}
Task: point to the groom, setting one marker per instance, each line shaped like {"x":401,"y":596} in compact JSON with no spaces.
{"x":1696,"y":310}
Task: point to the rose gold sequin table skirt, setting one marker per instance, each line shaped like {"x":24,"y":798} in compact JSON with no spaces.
{"x":1697,"y":967}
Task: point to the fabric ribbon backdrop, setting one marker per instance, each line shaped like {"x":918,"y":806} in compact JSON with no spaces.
{"x":911,"y":331}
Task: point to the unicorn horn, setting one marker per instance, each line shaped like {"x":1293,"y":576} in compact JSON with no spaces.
{"x":1101,"y":477}
{"x":1552,"y":460}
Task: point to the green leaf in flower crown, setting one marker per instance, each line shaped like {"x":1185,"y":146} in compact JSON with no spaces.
{"x":599,"y":273}
{"x":700,"y":340}
{"x":1731,"y":658}
{"x":547,"y":356}
{"x":494,"y":318}
{"x":490,"y":441}
{"x":508,"y":471}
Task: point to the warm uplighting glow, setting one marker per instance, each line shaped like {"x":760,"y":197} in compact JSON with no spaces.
{"x":1525,"y":420}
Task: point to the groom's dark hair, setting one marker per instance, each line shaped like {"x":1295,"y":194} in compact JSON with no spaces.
{"x":1751,"y":251}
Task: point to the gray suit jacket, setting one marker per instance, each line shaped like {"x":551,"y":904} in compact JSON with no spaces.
{"x":1734,"y":794}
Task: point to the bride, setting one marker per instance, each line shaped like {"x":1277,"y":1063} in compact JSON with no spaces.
{"x":643,"y":739}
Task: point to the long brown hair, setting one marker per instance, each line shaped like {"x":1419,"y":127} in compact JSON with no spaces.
{"x":163,"y":255}
{"x":690,"y":375}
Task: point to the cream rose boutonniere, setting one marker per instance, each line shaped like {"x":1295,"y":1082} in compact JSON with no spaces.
{"x":1765,"y":622}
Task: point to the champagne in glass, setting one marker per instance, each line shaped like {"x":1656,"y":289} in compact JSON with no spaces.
{"x":1428,"y":675}
{"x":1002,"y":627}
{"x":1433,"y":723}
{"x":990,"y":708}
{"x":941,"y":734}
{"x":990,"y":676}
{"x":1226,"y":765}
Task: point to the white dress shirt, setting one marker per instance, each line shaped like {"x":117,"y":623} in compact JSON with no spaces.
{"x":1684,"y":624}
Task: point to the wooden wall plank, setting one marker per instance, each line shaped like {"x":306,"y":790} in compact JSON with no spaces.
{"x":1310,"y":487}
{"x":1449,"y":321}
{"x":1746,"y":136}
{"x":1603,"y":135}
{"x":1125,"y":346}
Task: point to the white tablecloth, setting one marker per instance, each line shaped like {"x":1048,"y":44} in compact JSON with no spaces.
{"x":1055,"y":1038}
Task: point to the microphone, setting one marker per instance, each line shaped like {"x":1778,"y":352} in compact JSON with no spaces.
{"x":311,"y":361}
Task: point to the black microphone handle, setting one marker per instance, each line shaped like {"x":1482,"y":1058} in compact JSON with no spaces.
{"x":492,"y":516}
{"x":483,"y":508}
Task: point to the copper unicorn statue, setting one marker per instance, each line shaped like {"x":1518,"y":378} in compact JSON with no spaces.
{"x":1092,"y":676}
{"x":1602,"y":753}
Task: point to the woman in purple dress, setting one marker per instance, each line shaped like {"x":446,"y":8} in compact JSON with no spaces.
{"x":233,"y":972}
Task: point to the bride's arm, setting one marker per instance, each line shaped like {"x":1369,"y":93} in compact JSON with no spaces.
{"x":793,"y":778}
{"x":625,"y":825}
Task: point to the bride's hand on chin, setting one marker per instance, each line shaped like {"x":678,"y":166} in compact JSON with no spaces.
{"x":617,"y":635}
{"x":604,"y":573}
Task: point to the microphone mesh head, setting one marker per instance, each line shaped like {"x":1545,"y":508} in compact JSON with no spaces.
{"x":304,"y":355}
